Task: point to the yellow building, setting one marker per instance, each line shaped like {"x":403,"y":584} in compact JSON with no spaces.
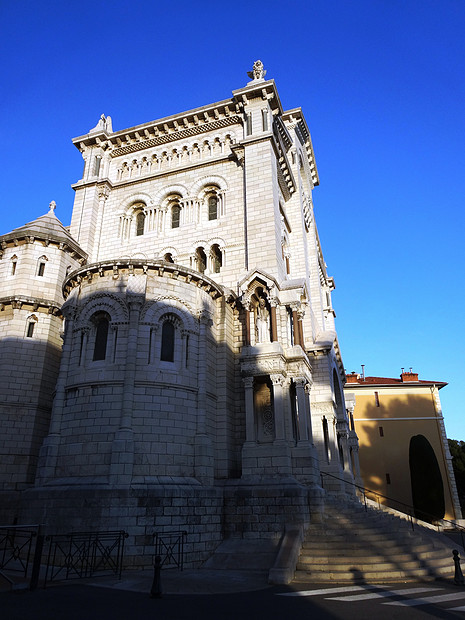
{"x":404,"y":454}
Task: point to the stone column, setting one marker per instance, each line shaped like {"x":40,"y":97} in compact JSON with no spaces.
{"x":84,"y":345}
{"x":305,"y":455}
{"x":48,"y":455}
{"x":122,"y":455}
{"x":333,"y":447}
{"x":204,"y":470}
{"x":274,"y":325}
{"x":280,"y":435}
{"x":300,"y":316}
{"x":106,"y":166}
{"x":205,"y":321}
{"x":246,"y":305}
{"x":249,"y":410}
{"x":295,"y":325}
{"x":342,"y":431}
{"x":163,"y":214}
{"x":103,"y":193}
{"x":353,"y":444}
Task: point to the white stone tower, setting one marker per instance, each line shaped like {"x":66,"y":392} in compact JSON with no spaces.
{"x":35,"y":259}
{"x":200,"y":384}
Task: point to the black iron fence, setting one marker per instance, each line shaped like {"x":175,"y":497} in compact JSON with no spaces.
{"x":170,"y":547}
{"x":84,"y":554}
{"x":16,"y":549}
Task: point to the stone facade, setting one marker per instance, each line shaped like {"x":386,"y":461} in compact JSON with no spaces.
{"x":200,"y":381}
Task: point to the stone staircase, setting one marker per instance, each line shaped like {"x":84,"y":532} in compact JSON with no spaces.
{"x":357,"y":546}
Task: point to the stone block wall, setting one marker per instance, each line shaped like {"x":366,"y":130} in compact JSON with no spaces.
{"x":141,"y":511}
{"x":259,"y":510}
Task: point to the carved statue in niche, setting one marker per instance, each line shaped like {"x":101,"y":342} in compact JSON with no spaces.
{"x":264,"y":414}
{"x":262,"y":322}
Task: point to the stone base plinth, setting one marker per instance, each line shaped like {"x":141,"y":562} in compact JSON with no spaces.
{"x":251,"y":508}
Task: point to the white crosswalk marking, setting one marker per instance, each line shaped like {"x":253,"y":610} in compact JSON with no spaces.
{"x":382,"y":594}
{"x":428,"y":600}
{"x":365,"y":593}
{"x":327,"y":591}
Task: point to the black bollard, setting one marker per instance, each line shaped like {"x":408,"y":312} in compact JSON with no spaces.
{"x":155,"y":592}
{"x":458,"y":577}
{"x":37,"y":560}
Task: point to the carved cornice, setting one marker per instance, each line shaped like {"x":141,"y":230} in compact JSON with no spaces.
{"x":160,"y":268}
{"x":294,"y":119}
{"x":283,"y":142}
{"x":25,"y":236}
{"x":178,"y":134}
{"x":263,"y":364}
{"x":178,"y":126}
{"x":33,"y":304}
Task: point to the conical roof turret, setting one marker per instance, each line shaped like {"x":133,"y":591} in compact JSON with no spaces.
{"x":46,"y":227}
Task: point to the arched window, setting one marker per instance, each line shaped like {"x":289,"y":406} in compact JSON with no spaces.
{"x":140,"y":223}
{"x":14,"y":263}
{"x":41,"y":265}
{"x":30,"y":326}
{"x":201,"y":260}
{"x":213,"y":207}
{"x":167,"y":342}
{"x":175,"y":215}
{"x":102,"y":324}
{"x":217,"y":258}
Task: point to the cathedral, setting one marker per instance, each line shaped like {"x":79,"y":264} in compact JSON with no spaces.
{"x":170,"y":360}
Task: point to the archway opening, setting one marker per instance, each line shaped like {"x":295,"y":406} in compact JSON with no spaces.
{"x":426,"y":480}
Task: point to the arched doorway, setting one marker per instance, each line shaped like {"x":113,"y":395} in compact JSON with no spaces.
{"x":426,"y":480}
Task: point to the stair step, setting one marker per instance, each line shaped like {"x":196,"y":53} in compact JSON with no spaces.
{"x":336,"y":543}
{"x":397,"y":558}
{"x":364,"y":577}
{"x":369,"y":564}
{"x":357,"y":545}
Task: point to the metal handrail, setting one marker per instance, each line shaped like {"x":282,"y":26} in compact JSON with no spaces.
{"x":409,"y":513}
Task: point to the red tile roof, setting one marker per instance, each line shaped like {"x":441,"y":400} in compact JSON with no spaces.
{"x":391,"y":381}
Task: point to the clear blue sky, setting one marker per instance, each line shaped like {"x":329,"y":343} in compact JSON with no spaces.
{"x":382,"y":85}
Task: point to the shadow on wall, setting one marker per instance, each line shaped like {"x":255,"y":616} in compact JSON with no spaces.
{"x":28,"y":373}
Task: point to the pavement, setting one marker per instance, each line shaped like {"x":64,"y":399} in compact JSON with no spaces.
{"x":195,"y":581}
{"x":172,"y":581}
